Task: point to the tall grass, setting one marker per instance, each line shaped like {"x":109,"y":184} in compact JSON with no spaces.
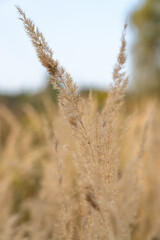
{"x":68,"y":178}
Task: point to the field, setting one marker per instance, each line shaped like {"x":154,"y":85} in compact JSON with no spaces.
{"x":85,"y":168}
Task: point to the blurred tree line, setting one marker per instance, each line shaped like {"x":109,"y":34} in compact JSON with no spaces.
{"x":146,"y":21}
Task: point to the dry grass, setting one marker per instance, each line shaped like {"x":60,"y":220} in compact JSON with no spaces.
{"x":78,"y":173}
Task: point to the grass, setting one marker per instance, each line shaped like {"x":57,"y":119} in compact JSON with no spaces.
{"x":79,"y":171}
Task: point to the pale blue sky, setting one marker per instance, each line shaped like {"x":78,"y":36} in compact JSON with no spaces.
{"x":84,"y":35}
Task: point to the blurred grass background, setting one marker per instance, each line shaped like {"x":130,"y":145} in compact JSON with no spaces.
{"x":26,"y":123}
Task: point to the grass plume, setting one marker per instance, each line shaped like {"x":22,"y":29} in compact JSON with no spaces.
{"x":62,"y":175}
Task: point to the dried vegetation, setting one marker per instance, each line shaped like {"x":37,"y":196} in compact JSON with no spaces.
{"x":76,"y":172}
